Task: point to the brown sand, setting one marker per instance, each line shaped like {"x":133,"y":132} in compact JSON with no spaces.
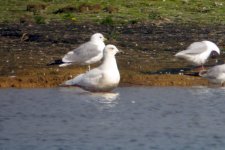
{"x":148,"y":60}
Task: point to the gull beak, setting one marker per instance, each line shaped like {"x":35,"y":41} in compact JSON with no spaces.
{"x":120,"y":52}
{"x":105,"y":39}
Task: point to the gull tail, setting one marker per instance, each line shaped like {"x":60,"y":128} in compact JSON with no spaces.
{"x":203,"y":73}
{"x":73,"y":82}
{"x":60,"y":63}
{"x":56,"y":62}
{"x":182,"y":55}
{"x":179,"y":54}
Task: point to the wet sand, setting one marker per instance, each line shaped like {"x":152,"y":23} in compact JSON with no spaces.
{"x":148,"y":57}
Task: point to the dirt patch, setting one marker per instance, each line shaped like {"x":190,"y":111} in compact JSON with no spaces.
{"x":111,"y":9}
{"x":67,"y":9}
{"x":148,"y":58}
{"x":87,"y":8}
{"x":36,"y":7}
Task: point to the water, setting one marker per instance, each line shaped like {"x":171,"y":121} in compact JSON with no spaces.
{"x":131,"y":118}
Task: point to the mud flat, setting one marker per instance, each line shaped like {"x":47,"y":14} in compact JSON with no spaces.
{"x":148,"y":57}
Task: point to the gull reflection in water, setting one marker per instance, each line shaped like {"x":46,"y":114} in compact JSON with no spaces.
{"x":100,"y":99}
{"x":204,"y":92}
{"x":105,"y":100}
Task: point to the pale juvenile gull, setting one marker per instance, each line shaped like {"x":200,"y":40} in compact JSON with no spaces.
{"x":86,"y":54}
{"x":104,"y":78}
{"x":198,"y":52}
{"x":215,"y":74}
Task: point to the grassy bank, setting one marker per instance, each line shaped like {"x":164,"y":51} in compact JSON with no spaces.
{"x":47,"y":29}
{"x":113,"y":11}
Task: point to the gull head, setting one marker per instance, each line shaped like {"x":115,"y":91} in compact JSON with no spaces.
{"x":215,"y":51}
{"x":98,"y":37}
{"x":110,"y":50}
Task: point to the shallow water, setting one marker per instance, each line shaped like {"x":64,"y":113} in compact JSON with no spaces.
{"x":131,"y":118}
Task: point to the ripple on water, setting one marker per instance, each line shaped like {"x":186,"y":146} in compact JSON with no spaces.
{"x":130,"y":118}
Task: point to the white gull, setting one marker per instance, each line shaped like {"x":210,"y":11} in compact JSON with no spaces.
{"x":86,"y":54}
{"x":104,"y":78}
{"x":215,"y":74}
{"x":199,"y":52}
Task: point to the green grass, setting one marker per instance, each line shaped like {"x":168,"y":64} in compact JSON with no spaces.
{"x":132,"y":11}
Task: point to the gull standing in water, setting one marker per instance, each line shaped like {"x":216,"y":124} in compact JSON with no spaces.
{"x":215,"y":74}
{"x":104,"y":78}
{"x":199,"y":52}
{"x":86,"y":54}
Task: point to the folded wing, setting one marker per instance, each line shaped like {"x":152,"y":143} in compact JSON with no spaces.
{"x":82,"y":54}
{"x":195,"y":48}
{"x":216,"y":71}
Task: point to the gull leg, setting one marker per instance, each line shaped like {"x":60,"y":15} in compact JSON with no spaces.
{"x":203,"y":68}
{"x":89,"y":67}
{"x":198,"y":69}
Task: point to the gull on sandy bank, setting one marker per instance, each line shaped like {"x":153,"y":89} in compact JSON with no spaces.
{"x":104,"y":78}
{"x":215,"y":74}
{"x":86,"y":54}
{"x":198,"y":52}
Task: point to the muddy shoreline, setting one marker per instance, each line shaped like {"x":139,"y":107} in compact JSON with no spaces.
{"x":26,"y":48}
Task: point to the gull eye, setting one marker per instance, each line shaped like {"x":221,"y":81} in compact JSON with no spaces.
{"x":110,"y":49}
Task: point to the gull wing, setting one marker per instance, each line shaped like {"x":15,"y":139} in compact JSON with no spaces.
{"x":92,"y":77}
{"x":195,"y":48}
{"x":215,"y":71}
{"x":82,"y":54}
{"x":86,"y":79}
